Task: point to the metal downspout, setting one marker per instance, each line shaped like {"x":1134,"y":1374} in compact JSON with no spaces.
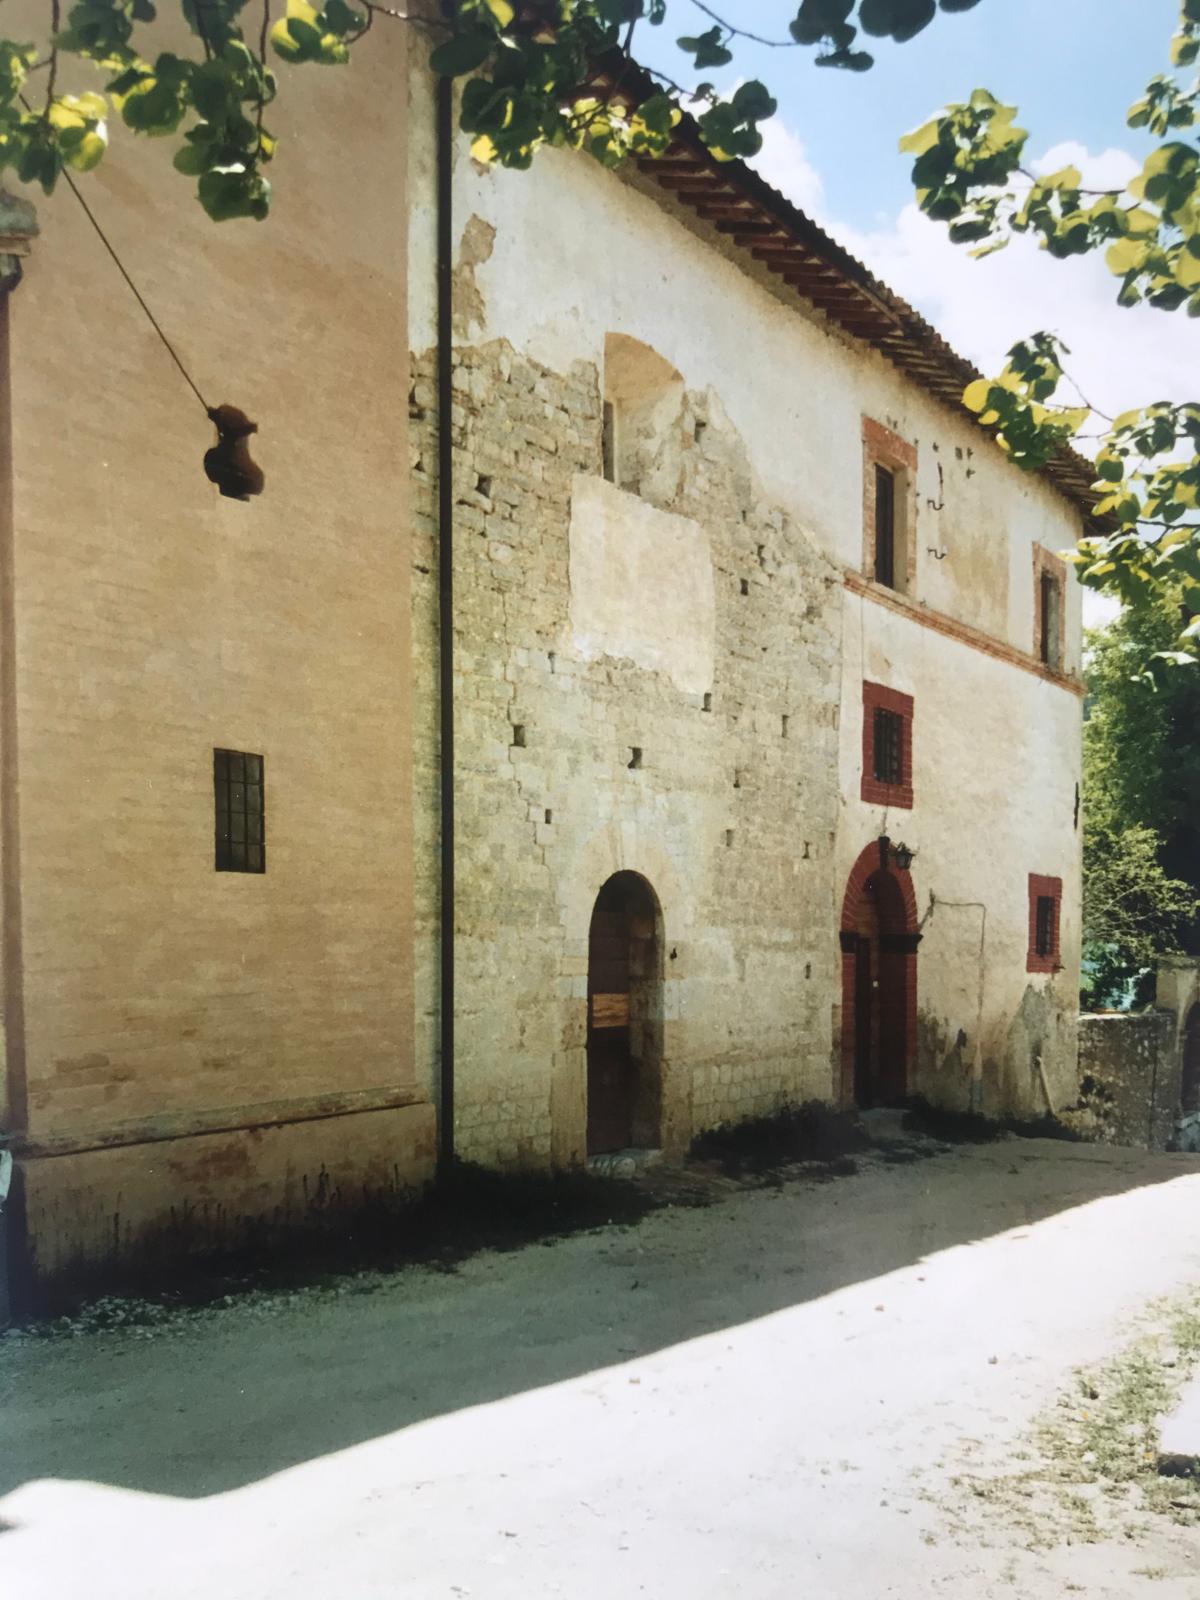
{"x":445,"y":401}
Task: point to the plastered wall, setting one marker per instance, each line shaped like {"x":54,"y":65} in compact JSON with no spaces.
{"x":782,"y":397}
{"x":154,"y":620}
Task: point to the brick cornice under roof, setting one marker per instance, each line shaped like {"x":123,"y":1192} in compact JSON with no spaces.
{"x":737,"y":202}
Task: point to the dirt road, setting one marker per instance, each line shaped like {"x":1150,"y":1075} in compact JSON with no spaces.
{"x":809,"y":1390}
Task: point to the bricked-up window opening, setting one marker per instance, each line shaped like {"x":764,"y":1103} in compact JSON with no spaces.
{"x":241,"y":816}
{"x":1051,"y":620}
{"x":642,"y":417}
{"x":1045,"y":917}
{"x":889,"y":734}
{"x":885,"y":527}
{"x":887,"y":767}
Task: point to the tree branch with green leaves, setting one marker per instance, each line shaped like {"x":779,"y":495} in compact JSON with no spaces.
{"x":969,"y":172}
{"x":556,"y":73}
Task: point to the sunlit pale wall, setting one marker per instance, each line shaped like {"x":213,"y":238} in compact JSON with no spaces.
{"x":996,"y":760}
{"x":550,"y":263}
{"x":155,"y":620}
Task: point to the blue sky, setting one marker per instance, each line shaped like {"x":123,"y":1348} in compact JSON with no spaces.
{"x":1073,"y":67}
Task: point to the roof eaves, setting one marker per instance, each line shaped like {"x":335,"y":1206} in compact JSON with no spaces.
{"x":758,"y":219}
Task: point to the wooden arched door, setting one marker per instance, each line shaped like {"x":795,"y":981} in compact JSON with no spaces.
{"x":624,"y":1038}
{"x":879,"y":938}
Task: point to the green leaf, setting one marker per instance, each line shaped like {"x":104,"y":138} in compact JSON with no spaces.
{"x":229,"y":194}
{"x":462,"y":54}
{"x":341,"y":19}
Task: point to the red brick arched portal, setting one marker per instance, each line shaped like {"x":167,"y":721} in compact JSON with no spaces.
{"x":879,"y":937}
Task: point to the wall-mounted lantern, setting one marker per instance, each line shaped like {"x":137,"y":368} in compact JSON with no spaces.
{"x":900,"y":854}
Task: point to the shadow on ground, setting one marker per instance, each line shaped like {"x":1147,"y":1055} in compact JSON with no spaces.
{"x":219,"y":1398}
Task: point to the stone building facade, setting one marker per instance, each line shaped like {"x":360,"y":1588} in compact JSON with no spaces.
{"x":765,"y":685}
{"x":673,"y":637}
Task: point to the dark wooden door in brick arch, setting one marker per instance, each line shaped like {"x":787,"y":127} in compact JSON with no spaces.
{"x":879,"y":944}
{"x":624,"y":1017}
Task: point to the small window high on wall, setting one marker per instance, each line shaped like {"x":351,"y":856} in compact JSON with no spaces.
{"x":885,"y":526}
{"x":889,"y":506}
{"x":1049,"y":610}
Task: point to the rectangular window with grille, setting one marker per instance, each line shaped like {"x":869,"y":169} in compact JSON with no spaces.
{"x":889,"y":760}
{"x":241,"y":814}
{"x":1045,"y":913}
{"x":887,"y":724}
{"x":885,"y":527}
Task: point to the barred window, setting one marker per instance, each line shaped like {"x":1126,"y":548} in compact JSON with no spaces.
{"x":241,"y":816}
{"x":889,"y":730}
{"x":1045,"y":924}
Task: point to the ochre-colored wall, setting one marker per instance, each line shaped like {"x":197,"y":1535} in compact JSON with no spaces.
{"x":155,"y":620}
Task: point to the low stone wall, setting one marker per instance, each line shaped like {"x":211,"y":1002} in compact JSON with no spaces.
{"x":1129,"y":1079}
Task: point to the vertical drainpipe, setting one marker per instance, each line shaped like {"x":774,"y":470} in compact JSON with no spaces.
{"x":445,"y":400}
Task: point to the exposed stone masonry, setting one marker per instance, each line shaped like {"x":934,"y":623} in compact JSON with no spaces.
{"x":730,"y":813}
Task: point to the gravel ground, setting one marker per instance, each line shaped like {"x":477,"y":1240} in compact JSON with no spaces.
{"x":838,"y":1388}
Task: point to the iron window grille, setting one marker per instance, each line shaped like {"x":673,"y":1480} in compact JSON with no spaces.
{"x":1044,"y":937}
{"x":889,"y":733}
{"x":240,"y":811}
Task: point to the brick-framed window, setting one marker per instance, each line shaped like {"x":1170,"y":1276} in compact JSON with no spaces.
{"x":887,"y":747}
{"x":1049,"y":609}
{"x":889,"y":506}
{"x":240,"y":811}
{"x":1045,"y":917}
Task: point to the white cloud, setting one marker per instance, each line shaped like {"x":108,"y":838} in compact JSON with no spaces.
{"x":783,"y":163}
{"x":1119,"y":357}
{"x":1111,"y":169}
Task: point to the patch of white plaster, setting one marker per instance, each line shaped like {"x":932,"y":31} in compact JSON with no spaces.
{"x":641,"y":585}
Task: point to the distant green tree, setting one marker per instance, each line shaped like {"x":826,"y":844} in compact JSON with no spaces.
{"x":1141,"y":837}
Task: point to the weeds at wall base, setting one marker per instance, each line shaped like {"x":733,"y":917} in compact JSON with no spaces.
{"x":201,"y":1255}
{"x":971,"y":1127}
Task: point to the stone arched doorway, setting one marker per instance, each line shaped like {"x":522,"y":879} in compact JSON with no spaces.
{"x":624,"y":1036}
{"x":879,"y":937}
